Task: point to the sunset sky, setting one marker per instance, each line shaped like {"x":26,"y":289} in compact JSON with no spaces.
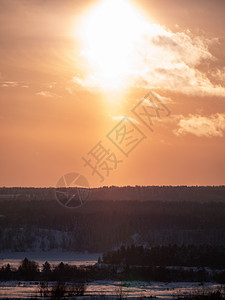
{"x":70,"y":71}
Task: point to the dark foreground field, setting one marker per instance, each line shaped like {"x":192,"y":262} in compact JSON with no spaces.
{"x":166,"y":239}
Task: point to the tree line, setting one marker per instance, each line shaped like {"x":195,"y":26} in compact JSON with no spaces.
{"x":80,"y":276}
{"x":99,"y":226}
{"x":171,"y":255}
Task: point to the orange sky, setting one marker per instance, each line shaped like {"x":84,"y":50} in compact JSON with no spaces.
{"x":71,"y":70}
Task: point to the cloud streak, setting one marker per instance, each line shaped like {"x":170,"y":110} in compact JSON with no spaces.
{"x":120,"y":118}
{"x":10,"y":84}
{"x":47,"y":94}
{"x":212,"y":126}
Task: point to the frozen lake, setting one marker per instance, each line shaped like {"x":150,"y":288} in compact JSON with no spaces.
{"x":130,"y":289}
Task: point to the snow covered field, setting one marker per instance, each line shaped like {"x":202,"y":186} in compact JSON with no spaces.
{"x":134,"y":289}
{"x":131,"y":289}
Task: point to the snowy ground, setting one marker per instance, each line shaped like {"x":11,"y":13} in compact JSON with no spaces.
{"x":113,"y":289}
{"x":53,"y":257}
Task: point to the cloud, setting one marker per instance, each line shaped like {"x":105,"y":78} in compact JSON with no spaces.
{"x":163,"y":99}
{"x":219,"y":74}
{"x":91,"y":82}
{"x":212,"y":126}
{"x":47,"y":94}
{"x":14,"y":84}
{"x":10,"y":83}
{"x":52,"y":85}
{"x":70,"y":89}
{"x":172,"y":61}
{"x":120,"y":118}
{"x":165,"y":60}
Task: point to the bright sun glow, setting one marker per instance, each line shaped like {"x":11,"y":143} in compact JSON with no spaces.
{"x":110,"y":32}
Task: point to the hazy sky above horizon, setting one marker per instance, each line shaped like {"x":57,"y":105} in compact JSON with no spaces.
{"x":71,"y":70}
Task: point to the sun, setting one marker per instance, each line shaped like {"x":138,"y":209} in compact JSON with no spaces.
{"x":110,"y":34}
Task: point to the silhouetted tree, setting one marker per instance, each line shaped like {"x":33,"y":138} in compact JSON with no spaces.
{"x":28,"y":269}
